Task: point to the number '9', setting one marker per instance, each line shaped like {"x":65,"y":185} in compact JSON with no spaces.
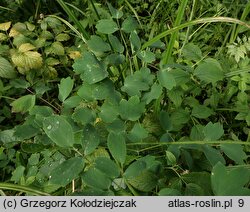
{"x":241,"y":203}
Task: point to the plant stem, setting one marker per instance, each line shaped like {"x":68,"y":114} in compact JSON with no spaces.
{"x":191,"y":142}
{"x":25,"y":189}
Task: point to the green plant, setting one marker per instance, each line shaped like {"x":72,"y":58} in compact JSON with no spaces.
{"x":107,"y":114}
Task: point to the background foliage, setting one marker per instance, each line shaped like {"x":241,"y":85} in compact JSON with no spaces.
{"x":124,"y":97}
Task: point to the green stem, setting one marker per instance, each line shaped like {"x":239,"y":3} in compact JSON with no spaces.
{"x":191,"y":142}
{"x":25,"y":189}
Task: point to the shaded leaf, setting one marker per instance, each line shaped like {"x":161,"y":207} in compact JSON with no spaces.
{"x":107,"y":166}
{"x":117,"y":147}
{"x":230,"y":183}
{"x":95,"y":178}
{"x":234,"y":152}
{"x":131,"y":109}
{"x":213,"y":132}
{"x":65,"y":87}
{"x":209,"y":71}
{"x":23,"y":104}
{"x":6,"y":69}
{"x":166,"y":79}
{"x":67,"y":171}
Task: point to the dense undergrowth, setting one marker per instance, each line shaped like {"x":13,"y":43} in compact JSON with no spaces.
{"x":124,"y":97}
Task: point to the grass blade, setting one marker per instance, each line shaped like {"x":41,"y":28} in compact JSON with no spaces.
{"x":195,"y":22}
{"x":74,"y":19}
{"x":180,"y":13}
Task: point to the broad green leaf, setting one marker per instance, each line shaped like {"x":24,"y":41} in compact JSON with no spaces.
{"x":209,"y":71}
{"x":230,"y":183}
{"x":65,"y":87}
{"x":213,"y":132}
{"x":6,"y":69}
{"x":129,"y":24}
{"x":203,"y":179}
{"x":139,"y":177}
{"x":213,"y":155}
{"x":32,"y":147}
{"x":135,"y":41}
{"x":197,"y":133}
{"x":97,"y":44}
{"x":116,"y":44}
{"x":201,"y":111}
{"x":114,"y":12}
{"x":165,"y":121}
{"x":91,"y":69}
{"x":17,"y":174}
{"x":176,"y":96}
{"x":146,"y":56}
{"x":166,"y":79}
{"x":131,"y":109}
{"x":19,"y":83}
{"x":138,"y":133}
{"x":107,"y":166}
{"x":106,"y":26}
{"x":234,"y":152}
{"x":181,"y":77}
{"x":72,"y":101}
{"x":98,"y":91}
{"x":139,"y":81}
{"x":115,"y":59}
{"x":58,"y":129}
{"x":25,"y":131}
{"x":193,"y":189}
{"x":97,"y":179}
{"x":117,"y":147}
{"x":179,"y":117}
{"x":154,"y":93}
{"x":23,"y":104}
{"x":169,"y":192}
{"x":90,"y":140}
{"x":109,"y":111}
{"x":192,"y":52}
{"x":67,"y":171}
{"x":84,"y":115}
{"x":117,"y":126}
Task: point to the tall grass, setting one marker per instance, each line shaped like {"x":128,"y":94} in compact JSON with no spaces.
{"x":74,"y":19}
{"x":195,"y":22}
{"x":167,"y":54}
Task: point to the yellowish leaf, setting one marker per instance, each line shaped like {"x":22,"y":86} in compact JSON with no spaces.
{"x":5,"y":26}
{"x":26,"y":61}
{"x":26,"y":47}
{"x":74,"y":54}
{"x":13,"y":32}
{"x":3,"y":37}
